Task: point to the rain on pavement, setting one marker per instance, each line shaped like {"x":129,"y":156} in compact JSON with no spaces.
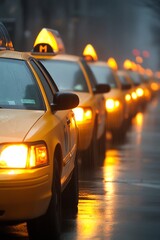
{"x":120,"y":199}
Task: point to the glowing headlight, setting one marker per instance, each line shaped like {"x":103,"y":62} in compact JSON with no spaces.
{"x":112,"y":104}
{"x":147,"y":93}
{"x":82,"y":114}
{"x":154,"y":86}
{"x":23,"y":156}
{"x":140,"y":92}
{"x":134,"y":95}
{"x":128,"y":97}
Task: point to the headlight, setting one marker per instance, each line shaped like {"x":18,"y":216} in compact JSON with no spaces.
{"x":112,"y":104}
{"x":128,"y":97}
{"x":23,"y":156}
{"x":83,"y":114}
{"x":140,"y":92}
{"x":134,"y":95}
{"x":154,"y":86}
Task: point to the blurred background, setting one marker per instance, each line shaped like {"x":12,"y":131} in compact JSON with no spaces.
{"x":124,"y":29}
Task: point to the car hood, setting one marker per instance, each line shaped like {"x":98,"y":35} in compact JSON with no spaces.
{"x":15,"y":124}
{"x":114,"y":93}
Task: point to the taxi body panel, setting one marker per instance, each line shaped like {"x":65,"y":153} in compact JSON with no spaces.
{"x":26,"y":192}
{"x":85,"y":130}
{"x":115,"y":118}
{"x":129,"y":92}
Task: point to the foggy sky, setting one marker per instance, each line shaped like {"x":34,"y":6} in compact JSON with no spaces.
{"x":116,"y":27}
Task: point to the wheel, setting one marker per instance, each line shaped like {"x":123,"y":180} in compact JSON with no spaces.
{"x":70,"y":195}
{"x":118,"y":135}
{"x":90,"y":156}
{"x":93,"y":151}
{"x":48,"y":226}
{"x":102,"y":146}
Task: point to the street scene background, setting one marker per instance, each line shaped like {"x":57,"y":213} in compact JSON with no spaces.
{"x":115,"y":28}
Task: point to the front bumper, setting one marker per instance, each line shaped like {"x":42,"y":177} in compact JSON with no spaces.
{"x":114,"y":120}
{"x":24,"y":196}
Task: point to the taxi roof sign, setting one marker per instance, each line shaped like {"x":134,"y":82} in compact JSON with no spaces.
{"x":112,"y":63}
{"x":5,"y":41}
{"x":48,"y":41}
{"x":127,"y":64}
{"x":89,"y":53}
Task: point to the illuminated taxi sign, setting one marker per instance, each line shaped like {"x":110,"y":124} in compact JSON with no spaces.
{"x":112,"y":63}
{"x":48,"y":41}
{"x":43,"y":48}
{"x":127,"y":64}
{"x":89,"y":53}
{"x":5,"y":41}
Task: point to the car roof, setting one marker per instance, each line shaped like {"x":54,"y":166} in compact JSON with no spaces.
{"x":14,"y":55}
{"x":99,"y":63}
{"x":65,"y":56}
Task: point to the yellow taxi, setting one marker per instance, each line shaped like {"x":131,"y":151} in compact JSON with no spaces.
{"x":136,"y":74}
{"x":38,"y":146}
{"x":72,"y":73}
{"x":142,"y":89}
{"x":130,"y":93}
{"x":151,"y":80}
{"x":114,"y":99}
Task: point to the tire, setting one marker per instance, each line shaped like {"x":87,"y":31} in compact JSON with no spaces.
{"x":90,"y":156}
{"x":93,"y":151}
{"x":70,"y":195}
{"x":102,"y":146}
{"x":48,"y":226}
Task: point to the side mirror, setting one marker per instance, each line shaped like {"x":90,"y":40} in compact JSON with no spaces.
{"x":102,"y":88}
{"x":64,"y":101}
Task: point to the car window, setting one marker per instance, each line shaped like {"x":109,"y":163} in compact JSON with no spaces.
{"x":135,"y":77}
{"x":104,"y":75}
{"x":90,"y":74}
{"x":122,"y":78}
{"x":18,"y":88}
{"x":67,"y":75}
{"x":40,"y":70}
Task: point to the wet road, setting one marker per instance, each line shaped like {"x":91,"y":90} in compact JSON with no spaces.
{"x":120,"y":200}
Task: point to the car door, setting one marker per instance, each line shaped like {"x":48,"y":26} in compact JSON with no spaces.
{"x":99,"y":101}
{"x":65,"y":116}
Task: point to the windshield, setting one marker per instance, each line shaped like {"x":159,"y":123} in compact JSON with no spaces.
{"x":104,"y":75}
{"x":18,"y":88}
{"x":67,"y":75}
{"x":135,"y":77}
{"x":122,"y":78}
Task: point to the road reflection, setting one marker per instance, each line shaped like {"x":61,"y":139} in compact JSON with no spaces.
{"x":90,"y":210}
{"x":120,"y":195}
{"x":97,"y":202}
{"x":138,"y":125}
{"x":110,"y":175}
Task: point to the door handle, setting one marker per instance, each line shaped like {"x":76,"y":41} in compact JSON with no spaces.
{"x":68,"y":121}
